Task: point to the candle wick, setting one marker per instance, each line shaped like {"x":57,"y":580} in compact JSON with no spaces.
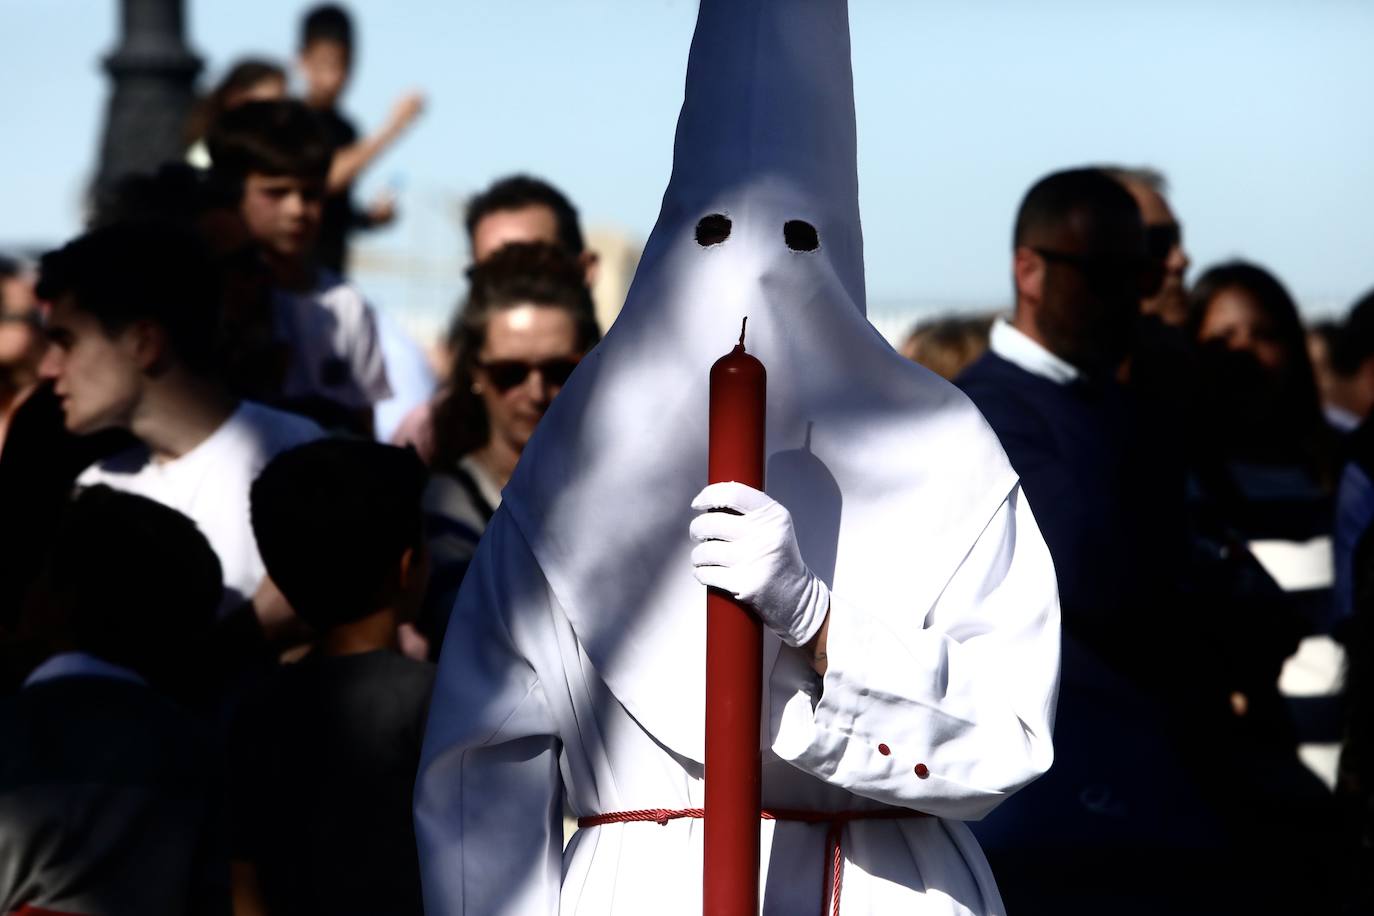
{"x":742,"y":326}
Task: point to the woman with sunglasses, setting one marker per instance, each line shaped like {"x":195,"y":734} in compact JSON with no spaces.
{"x":527,"y":321}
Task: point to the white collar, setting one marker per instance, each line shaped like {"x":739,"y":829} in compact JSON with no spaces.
{"x":1342,"y":420}
{"x":79,"y":664}
{"x":1019,"y":349}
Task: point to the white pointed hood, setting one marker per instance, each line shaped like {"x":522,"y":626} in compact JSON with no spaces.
{"x":889,"y":472}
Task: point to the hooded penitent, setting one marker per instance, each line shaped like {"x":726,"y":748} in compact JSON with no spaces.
{"x":889,"y":473}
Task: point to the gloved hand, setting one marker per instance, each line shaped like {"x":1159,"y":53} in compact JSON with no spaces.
{"x":754,"y":556}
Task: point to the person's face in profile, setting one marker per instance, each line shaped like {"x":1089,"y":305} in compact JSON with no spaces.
{"x":534,"y":223}
{"x":324,"y":65}
{"x":529,"y":353}
{"x":98,"y":376}
{"x":1234,"y":318}
{"x":282,"y":212}
{"x":1164,"y":241}
{"x":1093,"y":276}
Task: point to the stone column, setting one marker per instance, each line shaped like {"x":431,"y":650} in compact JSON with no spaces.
{"x":153,"y":73}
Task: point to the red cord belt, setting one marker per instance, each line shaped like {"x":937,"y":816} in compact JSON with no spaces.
{"x":835,"y":821}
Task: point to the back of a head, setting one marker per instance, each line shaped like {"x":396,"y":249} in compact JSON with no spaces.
{"x":1143,"y":176}
{"x":327,"y":22}
{"x":242,"y":78}
{"x":1053,"y":201}
{"x":141,"y":270}
{"x":1353,"y":344}
{"x":949,"y":344}
{"x":332,"y":519}
{"x":282,"y":137}
{"x":517,"y":192}
{"x":130,"y":581}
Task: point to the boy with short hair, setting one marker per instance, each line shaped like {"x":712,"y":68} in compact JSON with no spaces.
{"x":326,"y":58}
{"x":133,"y":312}
{"x":274,"y":158}
{"x":324,"y":759}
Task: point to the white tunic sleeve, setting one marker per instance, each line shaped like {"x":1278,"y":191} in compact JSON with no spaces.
{"x":487,"y":797}
{"x":945,"y":710}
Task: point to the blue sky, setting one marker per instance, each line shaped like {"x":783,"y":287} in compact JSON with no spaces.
{"x":1258,"y":111}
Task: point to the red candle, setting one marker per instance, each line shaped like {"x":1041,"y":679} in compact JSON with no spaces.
{"x":734,"y":649}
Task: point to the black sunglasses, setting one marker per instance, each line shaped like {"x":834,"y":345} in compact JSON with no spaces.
{"x":505,"y":374}
{"x":1161,"y":238}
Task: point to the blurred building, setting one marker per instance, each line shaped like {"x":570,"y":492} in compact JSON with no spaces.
{"x":619,"y":256}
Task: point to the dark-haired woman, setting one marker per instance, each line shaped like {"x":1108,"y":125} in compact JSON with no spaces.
{"x":1263,"y":473}
{"x":526,"y":323}
{"x":1260,"y":396}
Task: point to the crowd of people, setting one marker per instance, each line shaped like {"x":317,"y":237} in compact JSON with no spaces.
{"x":1194,"y":457}
{"x":228,"y":579}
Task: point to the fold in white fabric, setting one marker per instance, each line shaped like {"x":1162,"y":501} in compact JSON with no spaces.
{"x":574,"y":663}
{"x":882,"y":465}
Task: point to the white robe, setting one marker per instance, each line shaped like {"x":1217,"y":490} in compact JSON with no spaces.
{"x":522,"y":719}
{"x":574,"y":664}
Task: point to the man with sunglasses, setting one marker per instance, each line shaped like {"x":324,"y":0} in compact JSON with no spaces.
{"x":1047,"y":383}
{"x":1118,"y":795}
{"x":1163,"y":243}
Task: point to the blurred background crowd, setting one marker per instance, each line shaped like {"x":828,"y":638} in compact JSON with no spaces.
{"x":239,"y":498}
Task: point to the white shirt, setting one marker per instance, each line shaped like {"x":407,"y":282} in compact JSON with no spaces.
{"x":408,"y":373}
{"x":336,"y":351}
{"x":210,"y":484}
{"x":79,"y":664}
{"x":1020,"y":350}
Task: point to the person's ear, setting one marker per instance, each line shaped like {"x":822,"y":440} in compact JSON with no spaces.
{"x":1364,"y":387}
{"x":591,"y":267}
{"x":413,"y":569}
{"x":1028,"y":272}
{"x":146,"y":342}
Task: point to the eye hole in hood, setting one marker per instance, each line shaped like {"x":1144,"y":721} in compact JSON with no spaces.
{"x":713,"y":229}
{"x":800,"y":235}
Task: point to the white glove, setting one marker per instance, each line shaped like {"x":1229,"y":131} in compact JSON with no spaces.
{"x":754,"y":556}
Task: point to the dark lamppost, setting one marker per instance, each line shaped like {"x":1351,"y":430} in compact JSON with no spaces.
{"x":154,"y":74}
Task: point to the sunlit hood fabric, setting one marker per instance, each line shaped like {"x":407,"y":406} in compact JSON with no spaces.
{"x":890,"y":473}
